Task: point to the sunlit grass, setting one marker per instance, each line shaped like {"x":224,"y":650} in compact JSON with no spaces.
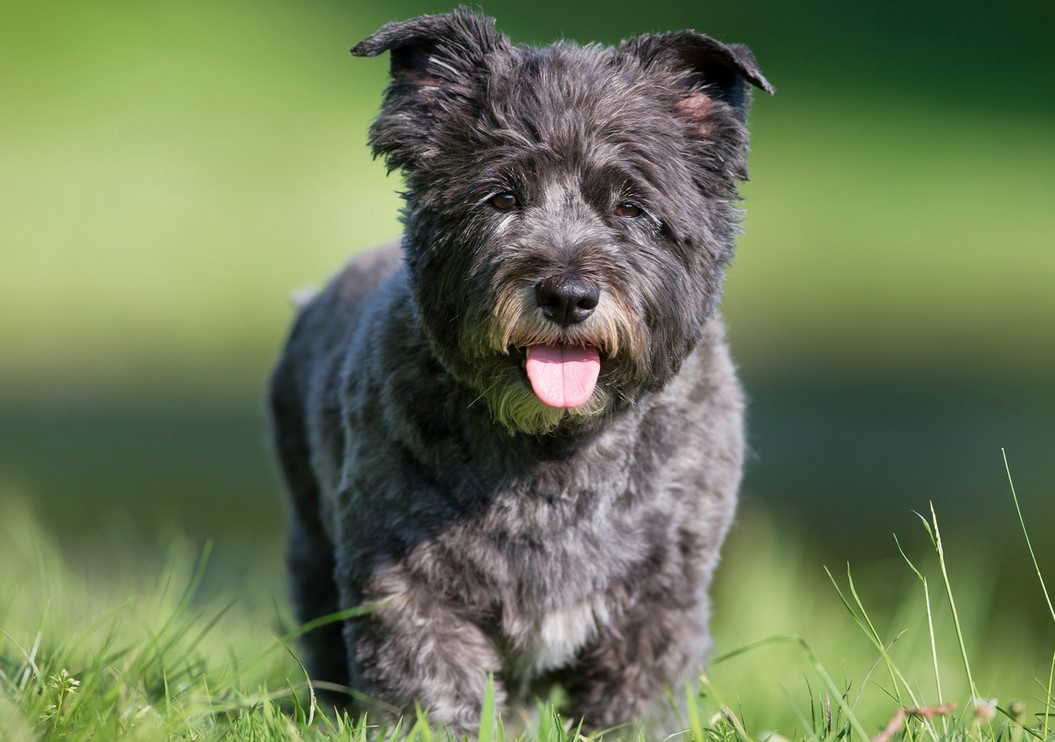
{"x":170,"y":173}
{"x":160,"y":644}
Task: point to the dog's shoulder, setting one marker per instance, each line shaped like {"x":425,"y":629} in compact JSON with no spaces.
{"x":324,"y":317}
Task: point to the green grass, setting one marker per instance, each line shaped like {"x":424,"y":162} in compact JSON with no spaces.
{"x":164,"y":643}
{"x":171,"y":172}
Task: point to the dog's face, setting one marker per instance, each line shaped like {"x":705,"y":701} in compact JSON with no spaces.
{"x":569,"y":210}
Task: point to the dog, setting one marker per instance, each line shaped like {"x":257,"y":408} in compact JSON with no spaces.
{"x":515,"y":439}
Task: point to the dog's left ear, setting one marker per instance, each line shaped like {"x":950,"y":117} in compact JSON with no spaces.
{"x":709,"y":70}
{"x":436,"y":61}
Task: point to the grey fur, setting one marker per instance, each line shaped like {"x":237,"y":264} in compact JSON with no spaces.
{"x":497,"y":534}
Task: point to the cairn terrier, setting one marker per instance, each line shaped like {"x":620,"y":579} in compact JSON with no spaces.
{"x":517,"y":436}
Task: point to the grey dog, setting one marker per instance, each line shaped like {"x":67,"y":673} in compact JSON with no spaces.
{"x":518,"y":435}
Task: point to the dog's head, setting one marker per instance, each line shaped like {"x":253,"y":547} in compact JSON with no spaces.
{"x":569,"y":209}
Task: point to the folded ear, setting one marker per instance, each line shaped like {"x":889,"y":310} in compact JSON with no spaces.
{"x":708,"y":69}
{"x":436,"y":61}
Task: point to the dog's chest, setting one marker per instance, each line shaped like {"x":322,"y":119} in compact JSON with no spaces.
{"x":553,"y":562}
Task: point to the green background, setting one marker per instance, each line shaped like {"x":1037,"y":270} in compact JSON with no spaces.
{"x":171,"y":172}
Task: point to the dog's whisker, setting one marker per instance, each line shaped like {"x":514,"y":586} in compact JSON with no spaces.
{"x":483,"y":394}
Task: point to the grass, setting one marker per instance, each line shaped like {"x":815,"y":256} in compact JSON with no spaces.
{"x":171,"y":172}
{"x":169,"y":644}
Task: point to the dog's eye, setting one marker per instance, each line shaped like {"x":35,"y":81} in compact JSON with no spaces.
{"x":504,"y":201}
{"x":628,"y":210}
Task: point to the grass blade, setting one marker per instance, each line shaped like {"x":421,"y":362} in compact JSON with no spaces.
{"x":814,"y":661}
{"x":1025,"y":533}
{"x":487,"y":712}
{"x":930,"y":622}
{"x":936,"y":536}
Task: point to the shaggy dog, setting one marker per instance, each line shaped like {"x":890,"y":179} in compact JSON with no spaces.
{"x":518,"y":436}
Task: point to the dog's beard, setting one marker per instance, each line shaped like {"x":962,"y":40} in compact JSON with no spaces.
{"x":518,"y":322}
{"x":516,"y":407}
{"x":517,"y":325}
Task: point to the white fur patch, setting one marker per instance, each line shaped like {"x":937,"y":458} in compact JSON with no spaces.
{"x":563,"y":633}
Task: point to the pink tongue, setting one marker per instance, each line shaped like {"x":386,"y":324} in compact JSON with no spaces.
{"x":563,"y":375}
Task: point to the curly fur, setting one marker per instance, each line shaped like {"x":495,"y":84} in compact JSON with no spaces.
{"x":495,"y":533}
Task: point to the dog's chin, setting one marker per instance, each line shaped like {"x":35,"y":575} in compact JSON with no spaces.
{"x":515,"y":406}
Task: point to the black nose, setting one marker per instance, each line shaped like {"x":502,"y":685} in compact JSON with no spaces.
{"x":566,"y":300}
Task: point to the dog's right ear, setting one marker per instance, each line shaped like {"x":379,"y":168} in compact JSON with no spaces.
{"x":436,"y":65}
{"x":709,"y":70}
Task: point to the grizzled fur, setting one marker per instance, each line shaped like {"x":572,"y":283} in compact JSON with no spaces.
{"x":495,"y":533}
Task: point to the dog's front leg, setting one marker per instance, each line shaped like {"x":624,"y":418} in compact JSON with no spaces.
{"x":624,"y":674}
{"x":416,"y":647}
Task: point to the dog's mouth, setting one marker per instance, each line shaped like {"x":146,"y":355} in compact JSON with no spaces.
{"x":562,"y":375}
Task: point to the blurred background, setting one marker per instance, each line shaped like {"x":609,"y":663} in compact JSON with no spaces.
{"x":171,"y":172}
